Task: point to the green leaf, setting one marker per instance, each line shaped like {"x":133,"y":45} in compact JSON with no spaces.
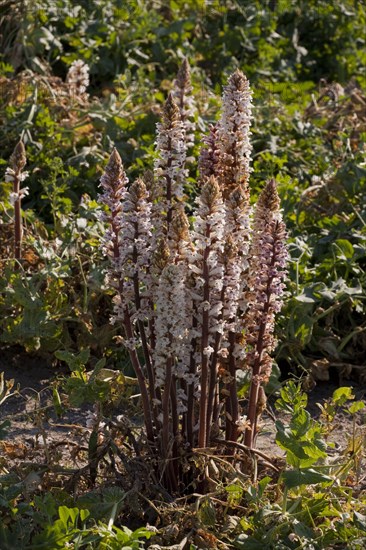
{"x":286,"y":440}
{"x":303,"y":530}
{"x":343,"y":249}
{"x":359,"y":520}
{"x":64,"y":514}
{"x":341,"y":395}
{"x":207,"y":513}
{"x":356,"y":406}
{"x":300,"y":422}
{"x":235,"y":492}
{"x":294,"y":478}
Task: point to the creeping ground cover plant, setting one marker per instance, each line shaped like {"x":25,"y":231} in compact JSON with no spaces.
{"x":196,"y":296}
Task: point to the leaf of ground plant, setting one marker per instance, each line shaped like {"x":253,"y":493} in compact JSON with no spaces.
{"x":341,"y":395}
{"x":356,"y":406}
{"x":294,"y":478}
{"x":360,"y":520}
{"x":300,"y":422}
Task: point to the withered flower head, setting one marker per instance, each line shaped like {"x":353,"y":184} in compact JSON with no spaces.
{"x":18,"y":159}
{"x":210,"y":192}
{"x":171,"y":113}
{"x":180,"y":225}
{"x":161,"y":256}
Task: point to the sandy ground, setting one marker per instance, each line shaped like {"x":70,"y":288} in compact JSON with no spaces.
{"x":36,"y":430}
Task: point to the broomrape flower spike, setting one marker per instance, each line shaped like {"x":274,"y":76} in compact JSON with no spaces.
{"x":267,"y":260}
{"x":234,"y":133}
{"x":15,"y":174}
{"x":78,"y":77}
{"x":196,"y":298}
{"x":182,"y":94}
{"x":169,"y":168}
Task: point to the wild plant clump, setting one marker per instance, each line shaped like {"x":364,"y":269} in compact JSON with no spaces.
{"x":196,"y":297}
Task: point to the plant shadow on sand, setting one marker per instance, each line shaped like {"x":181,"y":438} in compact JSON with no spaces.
{"x":32,"y":415}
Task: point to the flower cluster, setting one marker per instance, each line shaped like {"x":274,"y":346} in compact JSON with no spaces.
{"x":169,"y":170}
{"x":113,"y":183}
{"x":16,"y":174}
{"x":234,"y":134}
{"x":78,"y":77}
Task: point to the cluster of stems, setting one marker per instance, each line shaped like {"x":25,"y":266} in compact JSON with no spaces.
{"x":196,"y":298}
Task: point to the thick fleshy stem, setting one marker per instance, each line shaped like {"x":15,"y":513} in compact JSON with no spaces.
{"x":210,"y":226}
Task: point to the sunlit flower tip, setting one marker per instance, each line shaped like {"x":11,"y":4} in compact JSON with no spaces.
{"x":239,"y":81}
{"x":182,"y":94}
{"x":138,"y":191}
{"x":239,"y":198}
{"x":183,"y":80}
{"x":182,"y":84}
{"x":179,"y":229}
{"x":210,"y":192}
{"x":269,"y":198}
{"x":161,"y":255}
{"x":18,"y":158}
{"x":114,"y":175}
{"x":171,"y":112}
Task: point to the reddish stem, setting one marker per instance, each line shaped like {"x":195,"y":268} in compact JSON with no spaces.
{"x":202,"y":434}
{"x":232,"y":400}
{"x":17,"y":220}
{"x":250,"y":433}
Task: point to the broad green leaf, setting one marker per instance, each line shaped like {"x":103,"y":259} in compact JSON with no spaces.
{"x":64,"y":514}
{"x":356,"y":406}
{"x":359,"y":520}
{"x":294,"y":478}
{"x":343,"y":249}
{"x":300,"y":422}
{"x":84,"y":514}
{"x":341,"y":395}
{"x":286,"y":440}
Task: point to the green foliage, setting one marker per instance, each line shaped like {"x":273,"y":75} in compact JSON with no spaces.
{"x":312,"y":506}
{"x":302,"y":437}
{"x":5,"y":392}
{"x":43,"y":524}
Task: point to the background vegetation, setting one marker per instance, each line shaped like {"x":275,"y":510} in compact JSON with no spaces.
{"x":306,"y":64}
